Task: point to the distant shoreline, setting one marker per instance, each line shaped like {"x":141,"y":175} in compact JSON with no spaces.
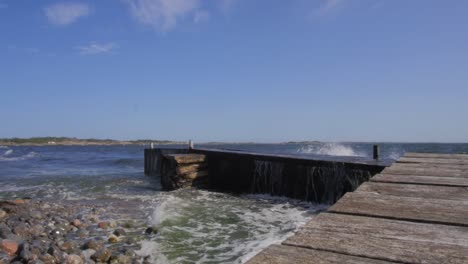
{"x":63,"y":141}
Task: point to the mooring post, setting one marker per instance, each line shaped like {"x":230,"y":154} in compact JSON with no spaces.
{"x":190,"y":145}
{"x":376,"y":152}
{"x":152,"y":145}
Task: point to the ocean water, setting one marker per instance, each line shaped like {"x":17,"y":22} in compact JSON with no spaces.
{"x":196,"y":226}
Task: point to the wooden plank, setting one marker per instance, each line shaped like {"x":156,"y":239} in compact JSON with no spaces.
{"x":430,"y":165}
{"x":433,"y":160}
{"x":189,"y":168}
{"x":449,"y":212}
{"x":421,"y":179}
{"x":281,"y":254}
{"x":412,"y":190}
{"x":436,"y":155}
{"x":187,"y":158}
{"x":385,"y":239}
{"x":426,"y":172}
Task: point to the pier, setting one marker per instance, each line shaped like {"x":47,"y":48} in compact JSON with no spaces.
{"x":294,"y":176}
{"x":415,"y":211}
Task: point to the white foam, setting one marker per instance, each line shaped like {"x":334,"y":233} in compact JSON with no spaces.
{"x":8,"y":152}
{"x":27,"y":156}
{"x":329,"y":149}
{"x":151,"y":249}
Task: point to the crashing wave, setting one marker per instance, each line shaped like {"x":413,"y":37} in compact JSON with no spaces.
{"x":329,"y":149}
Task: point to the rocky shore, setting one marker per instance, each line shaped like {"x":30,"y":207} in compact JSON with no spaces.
{"x":39,"y":232}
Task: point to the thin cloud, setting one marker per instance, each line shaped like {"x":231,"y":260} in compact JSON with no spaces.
{"x":96,"y":48}
{"x":162,"y":15}
{"x":201,"y":16}
{"x":63,"y":14}
{"x":328,"y":6}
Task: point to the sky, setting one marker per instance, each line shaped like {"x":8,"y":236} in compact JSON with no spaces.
{"x":235,"y":70}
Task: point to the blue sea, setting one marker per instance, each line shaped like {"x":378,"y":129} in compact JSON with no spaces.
{"x":196,"y":226}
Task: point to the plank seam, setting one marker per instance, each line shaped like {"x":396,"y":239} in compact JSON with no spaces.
{"x":417,"y":183}
{"x":342,"y":253}
{"x":400,"y":219}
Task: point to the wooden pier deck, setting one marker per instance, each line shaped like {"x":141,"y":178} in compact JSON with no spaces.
{"x":415,"y":211}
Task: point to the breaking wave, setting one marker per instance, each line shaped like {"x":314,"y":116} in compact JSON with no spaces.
{"x":7,"y":156}
{"x":330,"y":149}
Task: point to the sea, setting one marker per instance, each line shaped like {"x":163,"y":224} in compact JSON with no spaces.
{"x":195,"y":226}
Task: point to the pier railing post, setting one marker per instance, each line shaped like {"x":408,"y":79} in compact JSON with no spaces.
{"x":190,"y":145}
{"x":376,"y":152}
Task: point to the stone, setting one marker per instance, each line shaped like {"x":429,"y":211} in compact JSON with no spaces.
{"x":36,"y":214}
{"x":103,"y":225}
{"x":48,"y":259}
{"x":87,"y":254}
{"x":24,"y":252}
{"x":9,"y":246}
{"x":101,"y":255}
{"x":22,"y":230}
{"x":93,"y":244}
{"x":119,"y":232}
{"x":151,"y":230}
{"x":68,"y":246}
{"x":4,"y":231}
{"x":3,"y":214}
{"x":121,"y":259}
{"x":113,"y":239}
{"x":19,"y":201}
{"x":73,"y":259}
{"x":76,"y":223}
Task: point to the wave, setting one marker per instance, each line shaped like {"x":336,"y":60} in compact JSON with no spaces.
{"x":128,"y":162}
{"x":7,"y":156}
{"x":330,"y":149}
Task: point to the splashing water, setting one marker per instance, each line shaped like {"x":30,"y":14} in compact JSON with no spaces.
{"x":329,"y":149}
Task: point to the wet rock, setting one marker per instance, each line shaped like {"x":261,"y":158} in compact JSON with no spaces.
{"x":68,"y":246}
{"x":93,"y":244}
{"x":48,"y":259}
{"x":36,"y":230}
{"x":36,"y":214}
{"x":121,"y":259}
{"x":87,"y":254}
{"x":3,"y":214}
{"x":151,"y":230}
{"x":76,"y":223}
{"x":22,"y":230}
{"x":119,"y":232}
{"x":19,"y":201}
{"x":9,"y":246}
{"x":4,"y":231}
{"x":113,"y":239}
{"x":24,"y":252}
{"x":73,"y":259}
{"x":82,"y":233}
{"x":103,"y":225}
{"x":101,"y":255}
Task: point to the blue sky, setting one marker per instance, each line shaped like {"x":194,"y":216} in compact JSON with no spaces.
{"x":235,"y":70}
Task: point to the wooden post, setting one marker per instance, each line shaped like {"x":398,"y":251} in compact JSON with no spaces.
{"x":376,"y":152}
{"x":190,"y":145}
{"x":152,"y":145}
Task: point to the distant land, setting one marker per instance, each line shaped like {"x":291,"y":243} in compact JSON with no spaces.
{"x":67,"y":141}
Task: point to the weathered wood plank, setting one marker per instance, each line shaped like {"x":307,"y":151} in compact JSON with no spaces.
{"x":385,"y":239}
{"x":426,"y":172}
{"x":281,"y":254}
{"x":430,"y":165}
{"x":188,"y":168}
{"x":187,"y":158}
{"x":432,"y":160}
{"x":436,"y":155}
{"x":421,"y":179}
{"x":413,"y":190}
{"x":449,"y":212}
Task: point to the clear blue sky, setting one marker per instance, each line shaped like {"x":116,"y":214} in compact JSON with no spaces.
{"x":235,"y":70}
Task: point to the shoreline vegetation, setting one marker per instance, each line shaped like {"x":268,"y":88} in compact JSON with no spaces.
{"x":70,"y":141}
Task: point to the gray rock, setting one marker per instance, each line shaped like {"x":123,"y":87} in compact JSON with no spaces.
{"x":87,"y":254}
{"x":3,"y":214}
{"x":119,"y":232}
{"x":102,"y":255}
{"x":94,"y":244}
{"x":73,"y":259}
